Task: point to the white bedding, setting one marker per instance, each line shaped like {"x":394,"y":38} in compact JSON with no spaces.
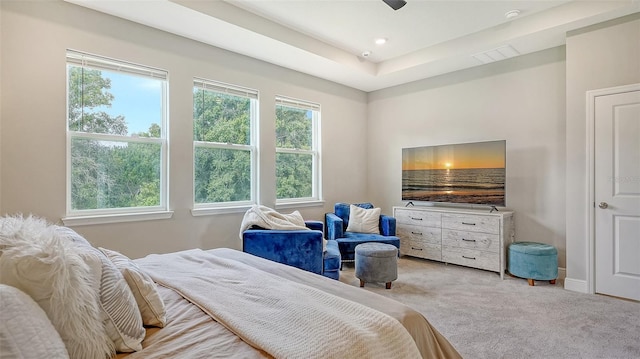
{"x":191,"y":333}
{"x":293,"y":321}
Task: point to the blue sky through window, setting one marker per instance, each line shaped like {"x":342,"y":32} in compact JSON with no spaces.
{"x":138,"y":99}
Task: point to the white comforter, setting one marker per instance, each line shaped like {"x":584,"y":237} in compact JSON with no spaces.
{"x":294,"y":321}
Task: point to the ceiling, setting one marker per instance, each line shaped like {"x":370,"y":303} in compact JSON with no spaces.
{"x":327,"y":38}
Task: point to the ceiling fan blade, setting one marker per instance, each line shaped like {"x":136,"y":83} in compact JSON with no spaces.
{"x":395,"y":4}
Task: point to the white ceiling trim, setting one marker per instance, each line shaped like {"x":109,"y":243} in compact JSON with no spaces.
{"x":248,"y":34}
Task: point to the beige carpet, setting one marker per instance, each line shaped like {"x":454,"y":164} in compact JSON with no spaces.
{"x":485,"y":317}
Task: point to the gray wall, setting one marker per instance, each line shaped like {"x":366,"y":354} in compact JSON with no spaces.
{"x":600,"y":56}
{"x":536,"y":102}
{"x":34,"y":38}
{"x":520,"y":100}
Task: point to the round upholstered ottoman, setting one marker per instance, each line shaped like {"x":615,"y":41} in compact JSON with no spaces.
{"x":376,"y":262}
{"x":534,"y":261}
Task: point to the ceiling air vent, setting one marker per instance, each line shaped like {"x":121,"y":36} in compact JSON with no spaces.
{"x":497,"y":54}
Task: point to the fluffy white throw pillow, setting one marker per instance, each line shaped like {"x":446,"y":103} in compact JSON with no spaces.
{"x":63,"y":273}
{"x":363,"y":220}
{"x":143,"y":288}
{"x":17,"y":230}
{"x":56,"y":276}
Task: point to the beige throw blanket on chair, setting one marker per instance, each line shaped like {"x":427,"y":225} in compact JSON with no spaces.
{"x":283,"y":318}
{"x":268,"y":218}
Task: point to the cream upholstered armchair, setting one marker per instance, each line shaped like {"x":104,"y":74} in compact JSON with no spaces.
{"x":352,"y":224}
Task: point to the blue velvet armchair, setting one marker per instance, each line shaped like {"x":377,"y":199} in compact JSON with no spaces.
{"x":336,"y":229}
{"x":297,"y":248}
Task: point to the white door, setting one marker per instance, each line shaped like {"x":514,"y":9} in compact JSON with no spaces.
{"x":617,"y":194}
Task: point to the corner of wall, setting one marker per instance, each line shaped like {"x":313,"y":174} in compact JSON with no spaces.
{"x":576,"y":285}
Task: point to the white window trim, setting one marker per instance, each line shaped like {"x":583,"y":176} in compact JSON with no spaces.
{"x":315,"y":151}
{"x":115,"y":218}
{"x":301,"y":202}
{"x":205,"y":209}
{"x":80,"y":58}
{"x":229,"y":208}
{"x":116,"y":215}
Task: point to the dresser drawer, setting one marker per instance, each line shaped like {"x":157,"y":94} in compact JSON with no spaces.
{"x":469,"y":237}
{"x":471,"y":240}
{"x":471,"y":223}
{"x":421,"y":249}
{"x":471,"y":258}
{"x":418,"y":218}
{"x":419,"y":233}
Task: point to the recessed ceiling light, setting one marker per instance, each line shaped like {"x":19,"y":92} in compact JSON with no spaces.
{"x":511,"y":14}
{"x":381,"y":41}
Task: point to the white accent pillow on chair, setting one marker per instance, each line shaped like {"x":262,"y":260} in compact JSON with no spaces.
{"x":363,"y":220}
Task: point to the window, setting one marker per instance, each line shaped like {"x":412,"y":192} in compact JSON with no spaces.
{"x":116,"y":137}
{"x":297,"y":150}
{"x":224,"y":118}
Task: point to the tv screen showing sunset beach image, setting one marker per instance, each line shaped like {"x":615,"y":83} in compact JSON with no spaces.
{"x":472,"y":173}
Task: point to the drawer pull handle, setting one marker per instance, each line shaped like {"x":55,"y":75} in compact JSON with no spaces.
{"x":418,"y":233}
{"x":416,"y":219}
{"x":474,"y":258}
{"x":468,"y":224}
{"x":416,"y":249}
{"x":468,"y":240}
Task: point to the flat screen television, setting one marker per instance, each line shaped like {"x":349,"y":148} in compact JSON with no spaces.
{"x":464,"y":173}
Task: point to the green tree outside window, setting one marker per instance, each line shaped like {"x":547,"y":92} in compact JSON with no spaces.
{"x":223,"y":147}
{"x":110,"y":168}
{"x":296,"y":152}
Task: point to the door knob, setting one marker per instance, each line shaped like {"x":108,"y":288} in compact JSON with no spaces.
{"x":603,"y":205}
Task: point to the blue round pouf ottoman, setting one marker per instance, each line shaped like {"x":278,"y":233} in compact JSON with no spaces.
{"x":533,"y":261}
{"x":376,"y":262}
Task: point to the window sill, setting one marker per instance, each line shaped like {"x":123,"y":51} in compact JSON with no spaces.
{"x":294,"y":204}
{"x":197,"y":212}
{"x":116,"y":218}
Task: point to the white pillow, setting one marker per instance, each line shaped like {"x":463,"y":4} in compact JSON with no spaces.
{"x":143,"y":288}
{"x":363,"y":220}
{"x":123,"y":321}
{"x":25,"y":330}
{"x":52,"y":264}
{"x":56,"y":276}
{"x":124,"y":325}
{"x":70,"y":234}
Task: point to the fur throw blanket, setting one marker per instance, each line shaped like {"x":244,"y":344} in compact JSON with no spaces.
{"x":268,"y":218}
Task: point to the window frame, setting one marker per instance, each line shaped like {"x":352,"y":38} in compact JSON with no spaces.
{"x":202,"y":209}
{"x":123,"y":214}
{"x":315,"y":152}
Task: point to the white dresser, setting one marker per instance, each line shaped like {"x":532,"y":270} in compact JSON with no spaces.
{"x":469,"y":237}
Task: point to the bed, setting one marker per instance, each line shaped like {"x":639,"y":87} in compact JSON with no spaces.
{"x":190,"y":332}
{"x":218,"y":303}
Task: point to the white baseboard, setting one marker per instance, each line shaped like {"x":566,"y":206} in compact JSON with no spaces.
{"x":562,"y":273}
{"x":576,"y":285}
